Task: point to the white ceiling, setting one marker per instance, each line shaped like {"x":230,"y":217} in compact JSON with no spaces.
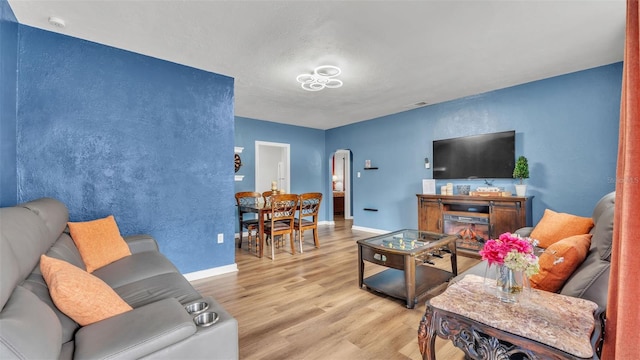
{"x":393,"y":54}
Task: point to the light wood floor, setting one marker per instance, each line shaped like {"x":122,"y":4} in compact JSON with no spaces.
{"x":309,"y":306}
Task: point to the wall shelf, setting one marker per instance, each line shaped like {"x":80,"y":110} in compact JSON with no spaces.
{"x":371,"y":168}
{"x":238,"y":150}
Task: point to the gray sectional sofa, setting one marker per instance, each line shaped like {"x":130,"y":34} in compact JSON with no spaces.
{"x":159,"y":326}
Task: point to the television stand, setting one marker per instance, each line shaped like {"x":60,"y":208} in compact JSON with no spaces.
{"x":473,"y":217}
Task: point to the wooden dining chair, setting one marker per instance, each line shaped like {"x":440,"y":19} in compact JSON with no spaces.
{"x":280,"y":222}
{"x":266,"y":196}
{"x":308,"y":217}
{"x":246,"y":198}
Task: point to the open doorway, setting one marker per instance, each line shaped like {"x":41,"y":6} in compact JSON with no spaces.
{"x":341,"y":185}
{"x":272,"y":164}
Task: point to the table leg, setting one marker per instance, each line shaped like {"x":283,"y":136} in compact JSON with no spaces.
{"x":261,"y":232}
{"x":240,"y":214}
{"x":427,"y":335}
{"x":360,"y":267}
{"x":454,"y":258}
{"x":410,"y":280}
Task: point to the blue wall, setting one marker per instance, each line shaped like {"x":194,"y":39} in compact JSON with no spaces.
{"x":108,"y":131}
{"x":567,"y":126}
{"x":309,"y":167}
{"x":112,"y":132}
{"x":8,"y":84}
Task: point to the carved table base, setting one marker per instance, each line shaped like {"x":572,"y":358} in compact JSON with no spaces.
{"x":481,"y":341}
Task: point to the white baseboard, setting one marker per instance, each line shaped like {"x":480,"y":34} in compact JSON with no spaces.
{"x":371,"y":230}
{"x":220,"y":270}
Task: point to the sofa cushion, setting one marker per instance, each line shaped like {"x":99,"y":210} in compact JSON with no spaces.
{"x":159,"y":287}
{"x":556,"y":226}
{"x":36,"y":284}
{"x":590,"y":281}
{"x":65,"y":249}
{"x":24,"y":237}
{"x":138,"y":333}
{"x":573,"y":250}
{"x":9,"y":271}
{"x":603,"y":234}
{"x":99,"y":242}
{"x":52,"y":212}
{"x":80,"y":295}
{"x":135,"y":267}
{"x":30,"y":329}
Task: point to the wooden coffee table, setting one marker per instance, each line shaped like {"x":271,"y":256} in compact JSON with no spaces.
{"x":400,"y":251}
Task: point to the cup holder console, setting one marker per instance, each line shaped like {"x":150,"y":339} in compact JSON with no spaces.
{"x":206,"y":318}
{"x":197,"y":307}
{"x":202,"y":317}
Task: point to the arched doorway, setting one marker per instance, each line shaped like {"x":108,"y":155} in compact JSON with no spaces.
{"x":341,"y":185}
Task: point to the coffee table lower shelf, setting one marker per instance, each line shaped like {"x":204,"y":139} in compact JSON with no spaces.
{"x":392,"y":281}
{"x":473,"y":254}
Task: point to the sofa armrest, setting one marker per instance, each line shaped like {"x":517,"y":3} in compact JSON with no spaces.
{"x":136,"y":333}
{"x":141,"y":243}
{"x":525,"y":231}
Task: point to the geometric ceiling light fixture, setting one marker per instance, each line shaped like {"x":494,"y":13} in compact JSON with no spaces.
{"x":322,"y":77}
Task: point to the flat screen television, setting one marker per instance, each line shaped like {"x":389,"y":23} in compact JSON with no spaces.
{"x":488,"y":156}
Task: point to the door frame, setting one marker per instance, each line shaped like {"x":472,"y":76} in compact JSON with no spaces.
{"x":347,"y":182}
{"x":286,"y":149}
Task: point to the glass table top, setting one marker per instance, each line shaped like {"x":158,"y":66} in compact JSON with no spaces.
{"x":406,"y":240}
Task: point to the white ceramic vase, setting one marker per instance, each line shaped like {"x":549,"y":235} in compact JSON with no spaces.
{"x":521,"y":189}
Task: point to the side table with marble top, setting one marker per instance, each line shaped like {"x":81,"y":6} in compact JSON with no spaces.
{"x":542,"y":325}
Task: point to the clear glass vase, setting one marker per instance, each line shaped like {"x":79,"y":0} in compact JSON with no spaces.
{"x":511,"y":284}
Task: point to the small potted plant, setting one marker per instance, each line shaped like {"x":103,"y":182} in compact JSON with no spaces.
{"x":521,"y":171}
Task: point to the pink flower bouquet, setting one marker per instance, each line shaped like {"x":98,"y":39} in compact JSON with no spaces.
{"x":512,"y":251}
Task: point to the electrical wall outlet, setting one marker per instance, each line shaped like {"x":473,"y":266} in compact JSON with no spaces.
{"x":220,"y":238}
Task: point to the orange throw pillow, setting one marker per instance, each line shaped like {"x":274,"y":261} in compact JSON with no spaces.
{"x":555,"y":226}
{"x":81,"y":296}
{"x":99,"y":242}
{"x":552,"y":276}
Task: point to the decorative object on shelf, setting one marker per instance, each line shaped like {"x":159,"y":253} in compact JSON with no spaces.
{"x":237,"y":161}
{"x":446,"y":189}
{"x":514,"y":261}
{"x":489,"y":191}
{"x":521,"y":171}
{"x":322,"y":77}
{"x":463,"y":189}
{"x":429,"y":186}
{"x":367,"y":164}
